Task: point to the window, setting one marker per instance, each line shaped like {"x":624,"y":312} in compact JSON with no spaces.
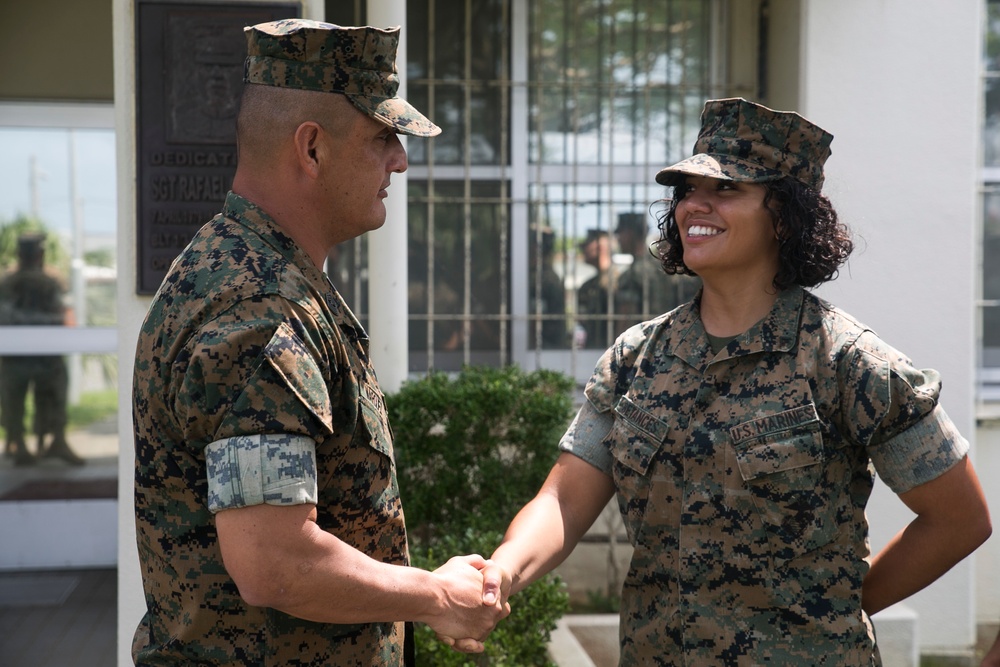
{"x":58,"y":367}
{"x":531,"y":214}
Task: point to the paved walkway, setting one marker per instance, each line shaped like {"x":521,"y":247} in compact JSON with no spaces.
{"x":62,"y":618}
{"x":97,"y":444}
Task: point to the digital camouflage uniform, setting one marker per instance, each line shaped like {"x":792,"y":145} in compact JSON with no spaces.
{"x":747,"y":142}
{"x":358,"y":63}
{"x":742,"y":480}
{"x":253,"y":385}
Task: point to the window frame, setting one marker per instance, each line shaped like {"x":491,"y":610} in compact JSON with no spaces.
{"x":81,"y":339}
{"x":521,"y":174}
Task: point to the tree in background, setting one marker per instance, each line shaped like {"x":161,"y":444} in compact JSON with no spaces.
{"x":56,"y":255}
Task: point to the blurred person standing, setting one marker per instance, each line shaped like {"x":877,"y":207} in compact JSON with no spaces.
{"x":592,"y":296}
{"x":31,"y":296}
{"x":644,"y":290}
{"x":548,"y":295}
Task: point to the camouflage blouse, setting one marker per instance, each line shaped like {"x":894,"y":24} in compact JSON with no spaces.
{"x":742,"y":478}
{"x":252,"y":384}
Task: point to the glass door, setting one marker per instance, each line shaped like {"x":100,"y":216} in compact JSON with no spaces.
{"x":58,"y":363}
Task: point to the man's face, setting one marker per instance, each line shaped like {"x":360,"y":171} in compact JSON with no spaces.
{"x":595,"y":249}
{"x":363,"y":159}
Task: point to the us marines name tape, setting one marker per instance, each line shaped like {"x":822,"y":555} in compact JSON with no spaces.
{"x":773,"y":423}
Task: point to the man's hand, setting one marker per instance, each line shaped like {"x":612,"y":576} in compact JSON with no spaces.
{"x":496,"y":589}
{"x":496,"y":583}
{"x":466,"y":614}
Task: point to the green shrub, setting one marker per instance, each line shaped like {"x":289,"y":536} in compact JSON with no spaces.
{"x":470,"y":452}
{"x":521,"y":639}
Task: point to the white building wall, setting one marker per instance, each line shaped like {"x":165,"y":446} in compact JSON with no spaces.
{"x":897,"y":83}
{"x":131,"y":311}
{"x":988,"y":556}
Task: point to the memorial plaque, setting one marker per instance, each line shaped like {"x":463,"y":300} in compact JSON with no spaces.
{"x":189,"y":68}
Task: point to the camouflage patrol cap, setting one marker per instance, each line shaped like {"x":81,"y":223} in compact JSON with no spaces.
{"x":632,"y":222}
{"x":357,"y":62}
{"x":744,"y":141}
{"x":31,"y":244}
{"x":593,"y":235}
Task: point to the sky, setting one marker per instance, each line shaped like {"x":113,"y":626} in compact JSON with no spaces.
{"x":93,"y":156}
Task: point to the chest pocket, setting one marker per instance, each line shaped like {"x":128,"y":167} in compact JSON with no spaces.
{"x":636,"y":438}
{"x":782,"y":460}
{"x":363,"y":506}
{"x":375,"y":419}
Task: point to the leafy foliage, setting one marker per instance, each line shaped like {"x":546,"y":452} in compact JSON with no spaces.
{"x":470,"y":452}
{"x":474,"y":449}
{"x":521,"y":639}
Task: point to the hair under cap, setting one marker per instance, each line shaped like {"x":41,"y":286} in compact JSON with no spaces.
{"x":744,"y":141}
{"x":357,"y":62}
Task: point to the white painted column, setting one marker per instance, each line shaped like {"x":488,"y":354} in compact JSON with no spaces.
{"x":131,"y":311}
{"x":388,"y":309}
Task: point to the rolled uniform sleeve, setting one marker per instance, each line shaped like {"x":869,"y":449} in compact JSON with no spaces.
{"x":586,"y":437}
{"x":263,"y":397}
{"x":892,"y":409}
{"x":920,"y":454}
{"x":261,"y":469}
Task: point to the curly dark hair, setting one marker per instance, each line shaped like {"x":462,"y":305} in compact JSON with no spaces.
{"x":813,"y":242}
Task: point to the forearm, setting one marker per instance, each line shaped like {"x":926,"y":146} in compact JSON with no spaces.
{"x":952,"y":521}
{"x":536,"y":542}
{"x":323,"y":579}
{"x":280,"y":558}
{"x":549,"y":527}
{"x":911,"y":561}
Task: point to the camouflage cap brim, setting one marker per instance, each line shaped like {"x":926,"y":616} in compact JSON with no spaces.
{"x":722,"y":167}
{"x":357,"y":62}
{"x":740,"y":140}
{"x":396,"y":113}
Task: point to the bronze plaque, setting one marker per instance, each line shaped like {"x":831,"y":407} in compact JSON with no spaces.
{"x":189,"y":68}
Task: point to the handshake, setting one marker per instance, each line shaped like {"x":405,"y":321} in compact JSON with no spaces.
{"x":472,"y":600}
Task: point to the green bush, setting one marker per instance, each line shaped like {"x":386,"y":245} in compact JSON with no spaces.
{"x":470,"y":452}
{"x":521,"y":639}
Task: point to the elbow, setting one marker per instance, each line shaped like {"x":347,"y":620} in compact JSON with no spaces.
{"x":259,"y":584}
{"x":983,"y":528}
{"x":974,"y":530}
{"x":253,"y":594}
{"x":262,"y":591}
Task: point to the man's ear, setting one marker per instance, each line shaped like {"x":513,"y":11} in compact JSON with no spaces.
{"x":306,"y":141}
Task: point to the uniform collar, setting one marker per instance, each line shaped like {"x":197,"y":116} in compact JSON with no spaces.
{"x":257,"y":221}
{"x":777,"y":332}
{"x":254,"y":218}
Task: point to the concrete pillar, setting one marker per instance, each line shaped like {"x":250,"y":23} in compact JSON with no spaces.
{"x":387,"y":247}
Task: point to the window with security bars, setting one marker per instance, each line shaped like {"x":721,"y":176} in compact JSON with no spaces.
{"x":990,"y":302}
{"x":531,"y":215}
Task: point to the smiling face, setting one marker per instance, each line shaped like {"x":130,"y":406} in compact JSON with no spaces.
{"x":726,"y":230}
